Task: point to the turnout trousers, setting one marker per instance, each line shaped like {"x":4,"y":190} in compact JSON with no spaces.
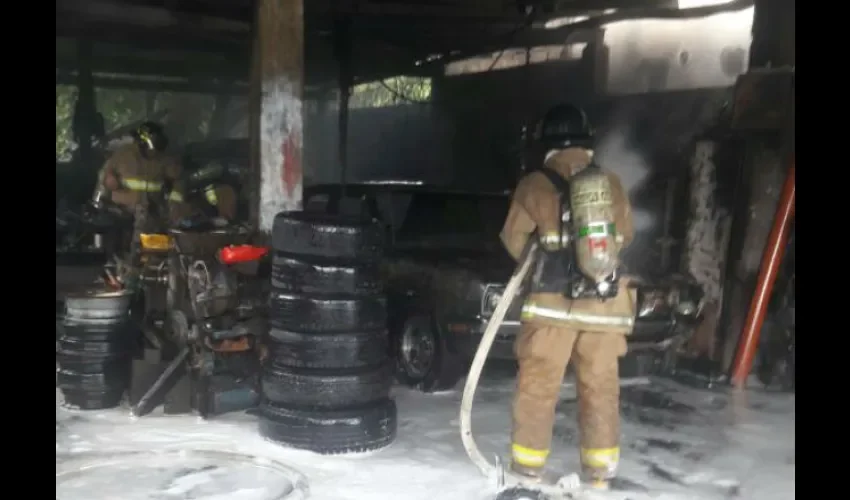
{"x":543,"y":352}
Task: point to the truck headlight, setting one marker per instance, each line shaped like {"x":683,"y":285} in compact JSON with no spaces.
{"x":490,"y":299}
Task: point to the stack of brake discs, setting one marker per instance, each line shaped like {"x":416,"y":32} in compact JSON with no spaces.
{"x":327,"y":374}
{"x":94,"y":350}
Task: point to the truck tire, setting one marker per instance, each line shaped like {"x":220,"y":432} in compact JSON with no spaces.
{"x":437,"y":369}
{"x":326,"y":314}
{"x":327,"y":235}
{"x":292,"y":274}
{"x":331,"y":432}
{"x":317,"y":389}
{"x":356,"y":349}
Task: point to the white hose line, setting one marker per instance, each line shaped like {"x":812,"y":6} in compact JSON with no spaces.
{"x":488,"y":469}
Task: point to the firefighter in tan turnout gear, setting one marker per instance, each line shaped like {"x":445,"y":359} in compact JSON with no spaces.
{"x":576,"y":307}
{"x":140,"y":174}
{"x":140,"y":178}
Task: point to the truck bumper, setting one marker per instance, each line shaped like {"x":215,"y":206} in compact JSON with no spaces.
{"x":467,"y":336}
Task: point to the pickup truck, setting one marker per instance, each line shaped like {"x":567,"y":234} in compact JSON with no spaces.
{"x":445,"y":269}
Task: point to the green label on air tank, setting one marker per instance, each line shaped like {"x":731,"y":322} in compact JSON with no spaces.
{"x":601,"y":229}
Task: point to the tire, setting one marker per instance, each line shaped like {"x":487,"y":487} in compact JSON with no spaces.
{"x":328,"y":350}
{"x":91,"y":364}
{"x":331,"y":432}
{"x":327,"y":235}
{"x":443,"y":370}
{"x":60,"y":317}
{"x":321,"y":276}
{"x":97,"y":400}
{"x":79,"y":347}
{"x":93,"y":382}
{"x":316,"y":314}
{"x":97,"y":304}
{"x":315,"y":389}
{"x":99,"y":331}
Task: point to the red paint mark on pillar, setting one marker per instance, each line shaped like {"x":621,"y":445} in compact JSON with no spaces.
{"x":291,"y":171}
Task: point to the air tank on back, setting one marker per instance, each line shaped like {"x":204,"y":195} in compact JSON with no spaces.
{"x":596,"y":244}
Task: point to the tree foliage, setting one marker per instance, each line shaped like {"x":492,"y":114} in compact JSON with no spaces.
{"x":391,"y":92}
{"x":120,"y":107}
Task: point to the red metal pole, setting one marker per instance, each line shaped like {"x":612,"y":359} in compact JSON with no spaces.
{"x":772,"y":257}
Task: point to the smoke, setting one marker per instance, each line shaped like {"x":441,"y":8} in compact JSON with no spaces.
{"x":614,"y":153}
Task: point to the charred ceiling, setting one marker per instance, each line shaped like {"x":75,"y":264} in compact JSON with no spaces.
{"x":206,"y":43}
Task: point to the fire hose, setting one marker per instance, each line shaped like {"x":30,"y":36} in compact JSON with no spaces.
{"x":489,"y":470}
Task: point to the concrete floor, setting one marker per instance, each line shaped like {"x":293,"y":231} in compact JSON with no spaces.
{"x":677,"y":443}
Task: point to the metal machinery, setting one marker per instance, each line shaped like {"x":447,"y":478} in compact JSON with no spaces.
{"x":204,"y":352}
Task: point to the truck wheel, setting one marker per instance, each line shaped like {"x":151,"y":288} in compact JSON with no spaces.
{"x":331,"y":432}
{"x":355,"y":349}
{"x":327,"y":235}
{"x":323,"y":276}
{"x":312,"y":389}
{"x":423,"y":359}
{"x":325,"y":314}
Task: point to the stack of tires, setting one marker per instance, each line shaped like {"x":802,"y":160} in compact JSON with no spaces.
{"x":94,"y":351}
{"x":326,"y":373}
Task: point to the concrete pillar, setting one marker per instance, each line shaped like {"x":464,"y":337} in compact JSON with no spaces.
{"x":280,"y":32}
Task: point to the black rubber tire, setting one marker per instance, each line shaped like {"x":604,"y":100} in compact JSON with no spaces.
{"x":292,"y":274}
{"x":331,"y":432}
{"x":93,"y":382}
{"x":93,"y":400}
{"x":97,"y":331}
{"x":76,"y":346}
{"x":327,"y":235}
{"x":320,"y":389}
{"x":447,"y":368}
{"x":328,"y":350}
{"x":74,"y":362}
{"x":326,"y":314}
{"x":97,"y":304}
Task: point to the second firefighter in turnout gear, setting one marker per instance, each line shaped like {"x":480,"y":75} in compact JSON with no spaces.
{"x":562,"y":319}
{"x":213,"y":191}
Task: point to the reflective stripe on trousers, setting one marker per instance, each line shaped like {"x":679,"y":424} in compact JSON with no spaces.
{"x":603,"y":461}
{"x":528,"y":457}
{"x":531,"y":310}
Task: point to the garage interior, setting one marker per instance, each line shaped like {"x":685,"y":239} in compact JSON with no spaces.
{"x":693,"y":106}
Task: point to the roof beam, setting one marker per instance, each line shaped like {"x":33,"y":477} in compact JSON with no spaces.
{"x":158,"y":85}
{"x":98,"y":11}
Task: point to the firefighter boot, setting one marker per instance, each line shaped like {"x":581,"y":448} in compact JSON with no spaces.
{"x":527,"y":474}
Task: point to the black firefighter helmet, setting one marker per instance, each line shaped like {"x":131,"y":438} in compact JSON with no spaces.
{"x":150,"y":137}
{"x":565,"y":126}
